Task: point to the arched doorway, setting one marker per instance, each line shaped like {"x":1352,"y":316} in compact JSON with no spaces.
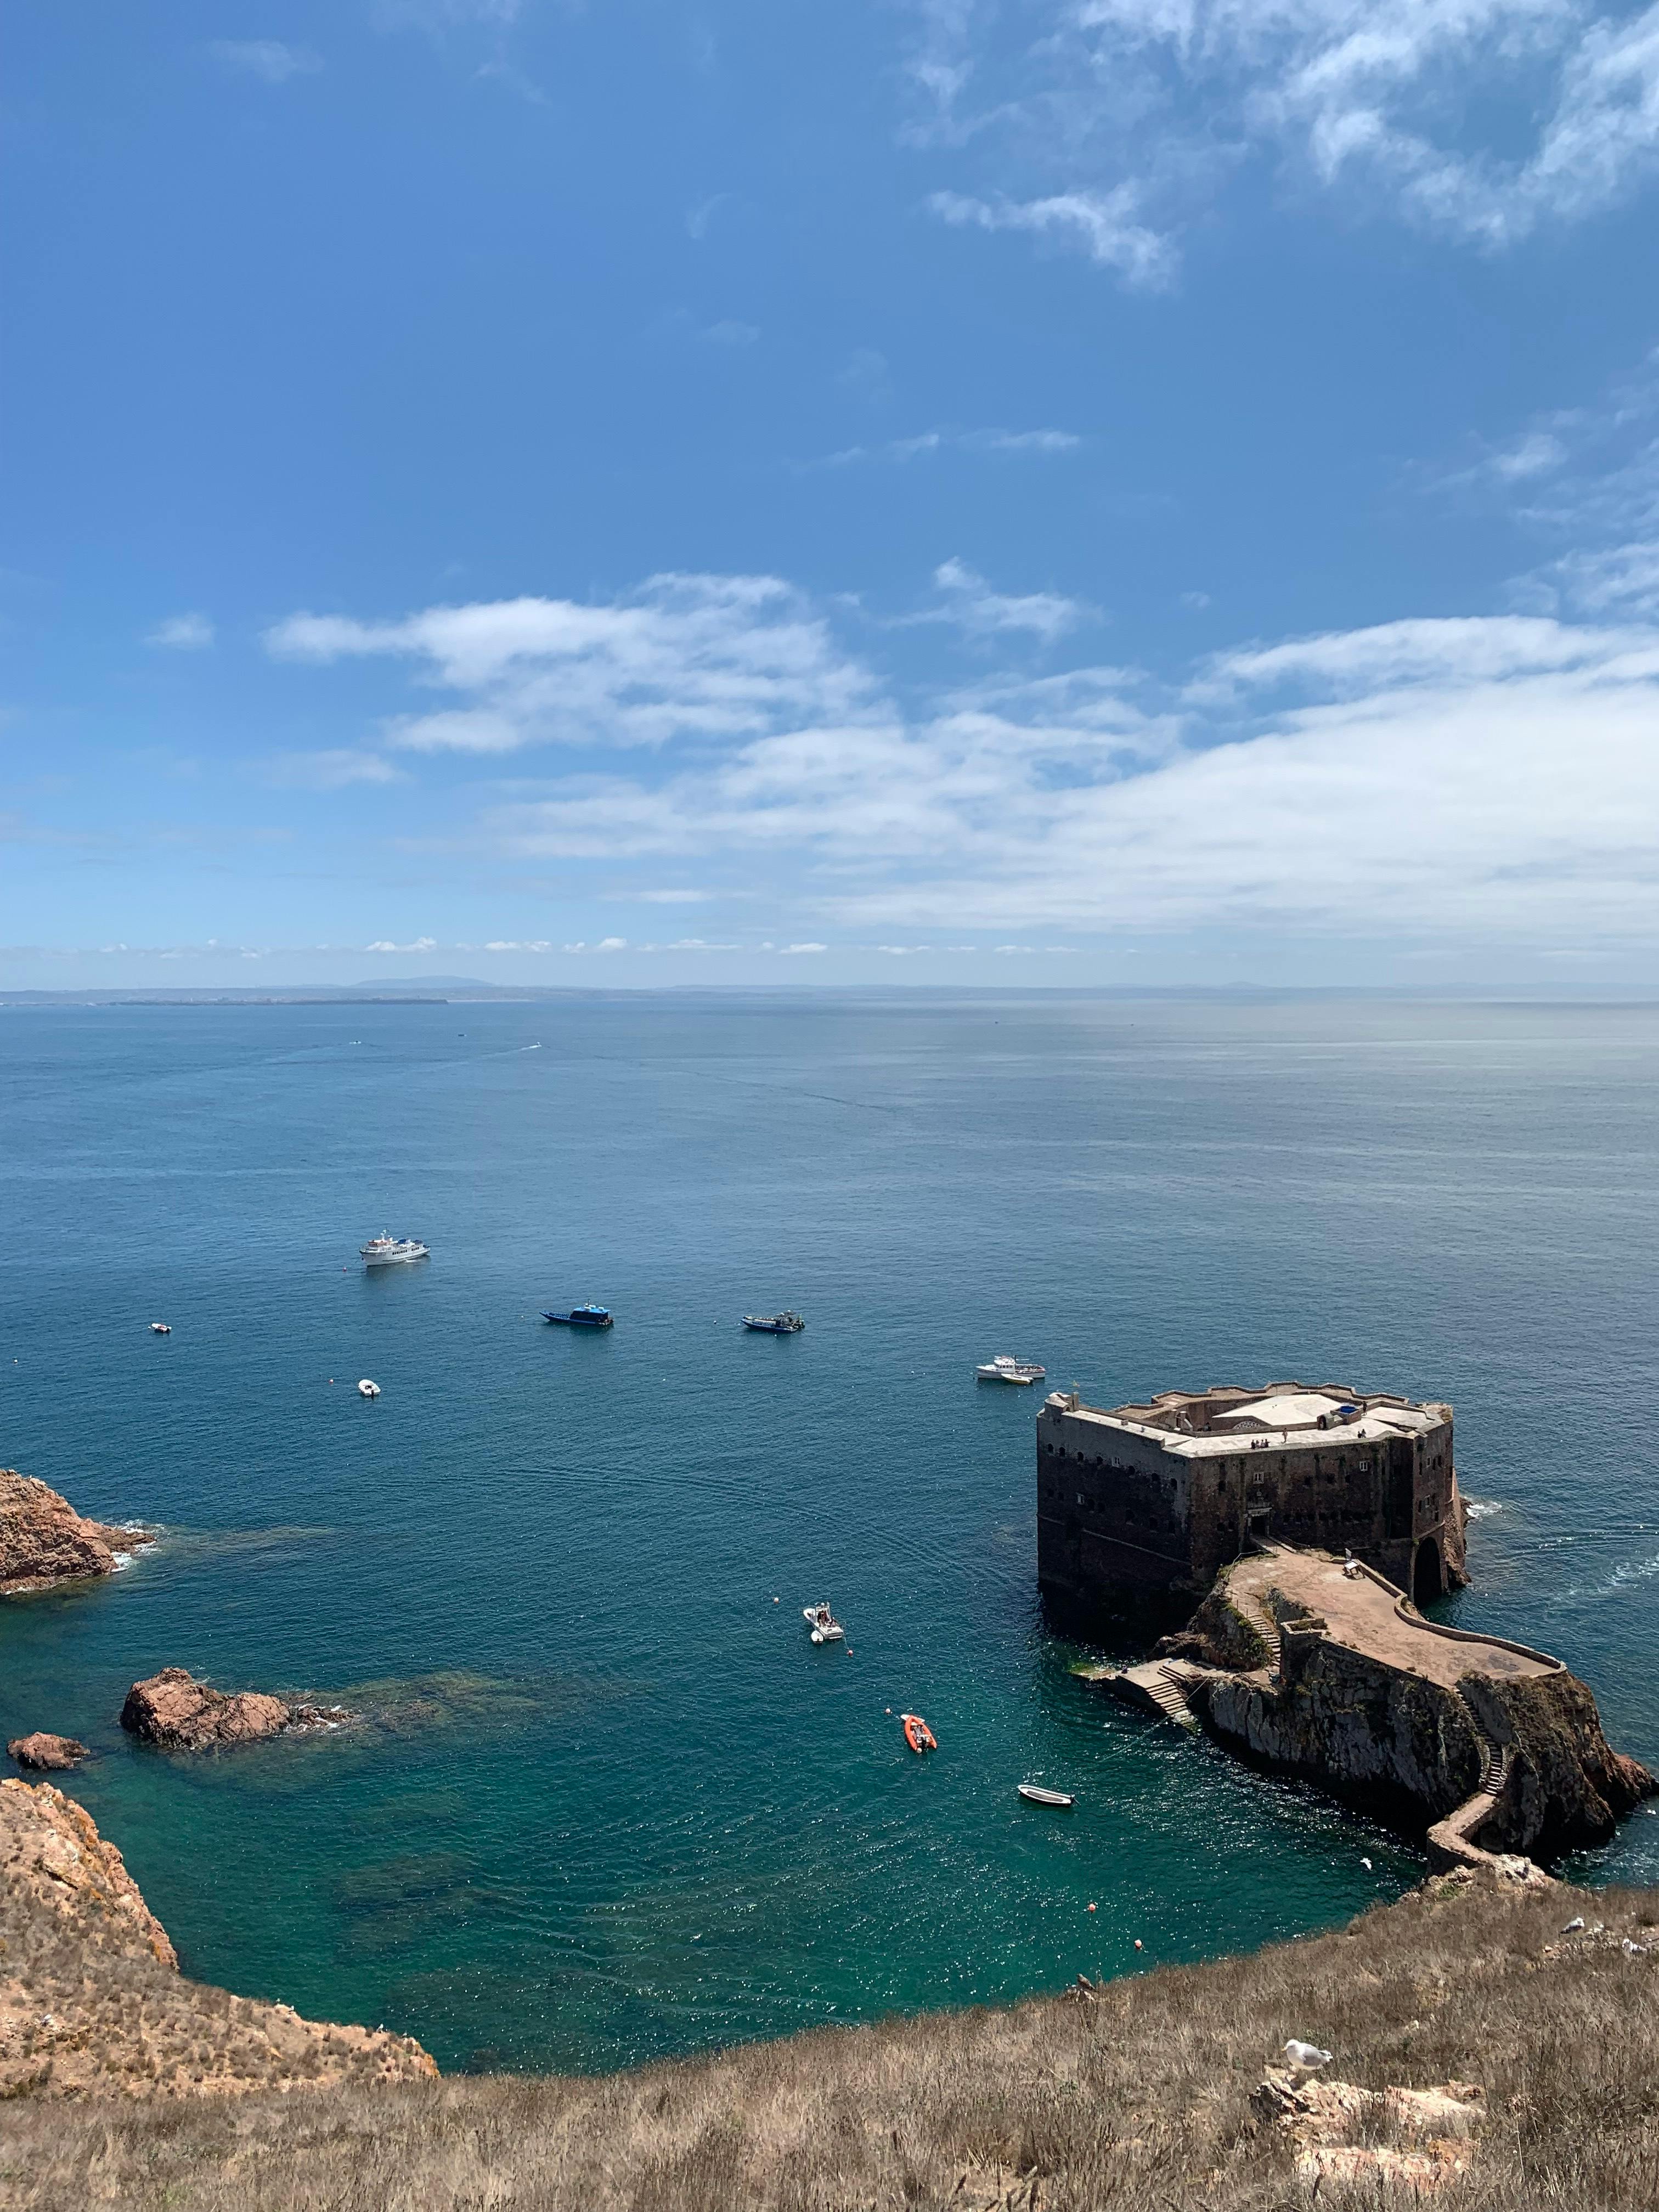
{"x":1427,"y":1581}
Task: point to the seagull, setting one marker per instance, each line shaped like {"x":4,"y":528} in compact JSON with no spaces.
{"x":1307,"y":2055}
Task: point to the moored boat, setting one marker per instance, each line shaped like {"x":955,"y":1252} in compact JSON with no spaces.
{"x":825,"y":1628}
{"x":917,"y":1733}
{"x":367,"y":1389}
{"x":778,"y":1324}
{"x":1002,"y":1368}
{"x":1035,"y":1794}
{"x":161,"y":1328}
{"x":589,"y":1317}
{"x":391,"y":1251}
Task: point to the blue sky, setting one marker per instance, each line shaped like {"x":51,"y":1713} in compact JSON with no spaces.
{"x":1080,"y":491}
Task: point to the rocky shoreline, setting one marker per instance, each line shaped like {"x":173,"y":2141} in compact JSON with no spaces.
{"x":44,"y":1541}
{"x":92,"y":2003}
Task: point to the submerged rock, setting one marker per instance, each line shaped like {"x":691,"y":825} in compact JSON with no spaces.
{"x":52,"y":1753}
{"x":43,"y":1539}
{"x":175,"y":1712}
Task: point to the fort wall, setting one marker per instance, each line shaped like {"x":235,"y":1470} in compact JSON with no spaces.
{"x":1143,"y":1505}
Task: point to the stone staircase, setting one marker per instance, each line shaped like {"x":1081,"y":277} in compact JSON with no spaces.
{"x":1450,"y":1840}
{"x":1160,"y":1686}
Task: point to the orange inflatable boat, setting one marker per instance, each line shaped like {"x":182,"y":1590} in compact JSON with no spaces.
{"x":917,"y":1733}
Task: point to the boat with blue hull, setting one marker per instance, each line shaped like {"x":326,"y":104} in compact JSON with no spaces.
{"x":582,"y":1317}
{"x":779,"y":1324}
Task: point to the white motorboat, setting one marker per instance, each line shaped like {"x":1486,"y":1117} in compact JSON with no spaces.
{"x":825,"y":1628}
{"x":390,"y":1251}
{"x":367,"y":1389}
{"x":1035,"y":1794}
{"x":161,"y":1328}
{"x":1002,"y":1368}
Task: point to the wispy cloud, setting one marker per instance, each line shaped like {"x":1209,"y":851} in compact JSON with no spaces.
{"x":1481,"y":119}
{"x":192,"y":633}
{"x":1103,"y":225}
{"x":330,"y":771}
{"x":268,"y":59}
{"x":968,"y":602}
{"x":703,"y":656}
{"x":1488,"y":778}
{"x":925,"y":442}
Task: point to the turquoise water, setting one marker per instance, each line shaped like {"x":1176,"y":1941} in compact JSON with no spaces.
{"x":613,"y":1804}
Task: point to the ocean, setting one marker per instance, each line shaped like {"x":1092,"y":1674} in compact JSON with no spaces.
{"x":610,"y":1803}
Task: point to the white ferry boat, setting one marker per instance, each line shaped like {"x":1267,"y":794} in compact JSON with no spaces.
{"x":388,"y":1251}
{"x":1002,"y":1368}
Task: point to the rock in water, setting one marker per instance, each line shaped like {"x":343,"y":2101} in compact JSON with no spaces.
{"x":43,"y":1539}
{"x":52,"y":1753}
{"x":176,"y":1712}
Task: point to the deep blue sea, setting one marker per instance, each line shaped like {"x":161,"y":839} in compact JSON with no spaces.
{"x":611,"y":1803}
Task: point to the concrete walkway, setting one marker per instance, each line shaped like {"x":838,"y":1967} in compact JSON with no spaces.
{"x":1363,"y":1613}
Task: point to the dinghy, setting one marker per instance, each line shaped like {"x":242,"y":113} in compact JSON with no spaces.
{"x":825,"y":1628}
{"x":367,"y":1389}
{"x":1035,"y":1794}
{"x":917,"y":1733}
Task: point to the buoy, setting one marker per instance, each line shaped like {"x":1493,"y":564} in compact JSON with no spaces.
{"x":1092,"y":1908}
{"x":1137,"y":1938}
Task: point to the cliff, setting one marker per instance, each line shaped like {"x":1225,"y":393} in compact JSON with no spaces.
{"x":92,"y":2003}
{"x":1489,"y":1746}
{"x":43,"y":1539}
{"x":1496,"y":2044}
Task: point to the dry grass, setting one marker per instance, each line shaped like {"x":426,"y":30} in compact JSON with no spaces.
{"x":1139,"y":2099}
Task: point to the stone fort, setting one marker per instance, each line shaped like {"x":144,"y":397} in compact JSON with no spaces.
{"x":1143,"y":1505}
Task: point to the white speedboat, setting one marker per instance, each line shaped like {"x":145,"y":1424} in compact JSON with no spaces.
{"x":367,"y":1389}
{"x":389,"y":1251}
{"x":1035,"y":1794}
{"x":1002,"y":1368}
{"x":161,"y":1328}
{"x":825,"y":1628}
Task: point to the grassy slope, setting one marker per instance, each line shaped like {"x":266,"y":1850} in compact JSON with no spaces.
{"x":1138,"y":2100}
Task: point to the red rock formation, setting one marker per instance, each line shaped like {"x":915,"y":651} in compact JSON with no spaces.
{"x":176,"y":1712}
{"x":43,"y":1539}
{"x":49,"y":1753}
{"x":92,"y":2002}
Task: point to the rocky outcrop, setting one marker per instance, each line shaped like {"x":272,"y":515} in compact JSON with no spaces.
{"x":1413,"y":2140}
{"x":175,"y":1712}
{"x":49,"y":1753}
{"x":43,"y":1539}
{"x":91,"y":1999}
{"x":1513,"y":1762}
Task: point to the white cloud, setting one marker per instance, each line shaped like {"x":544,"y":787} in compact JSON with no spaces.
{"x":967,"y":441}
{"x":416,"y":945}
{"x":707,"y":656}
{"x":192,"y":633}
{"x":266,"y":58}
{"x":1102,"y":224}
{"x":970,"y":603}
{"x":1479,"y":119}
{"x":1490,"y":778}
{"x":331,"y":771}
{"x":730,"y":334}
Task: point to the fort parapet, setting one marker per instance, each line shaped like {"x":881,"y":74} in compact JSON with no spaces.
{"x":1146,"y":1504}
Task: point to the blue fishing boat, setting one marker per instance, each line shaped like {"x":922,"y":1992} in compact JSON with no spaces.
{"x":783,"y":1324}
{"x":582,"y":1317}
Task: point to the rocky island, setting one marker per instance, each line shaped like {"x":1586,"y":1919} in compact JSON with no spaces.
{"x":44,"y":1540}
{"x":175,"y":1712}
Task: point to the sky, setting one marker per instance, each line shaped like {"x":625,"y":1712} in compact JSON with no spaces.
{"x":1071,"y":492}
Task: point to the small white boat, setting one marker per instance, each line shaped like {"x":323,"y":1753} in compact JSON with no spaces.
{"x":390,"y":1251}
{"x":367,"y":1389}
{"x":1002,"y":1368}
{"x":161,"y":1328}
{"x":825,"y":1628}
{"x":1035,"y":1794}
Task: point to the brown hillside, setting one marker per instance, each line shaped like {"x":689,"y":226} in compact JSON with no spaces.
{"x":1138,"y":2097}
